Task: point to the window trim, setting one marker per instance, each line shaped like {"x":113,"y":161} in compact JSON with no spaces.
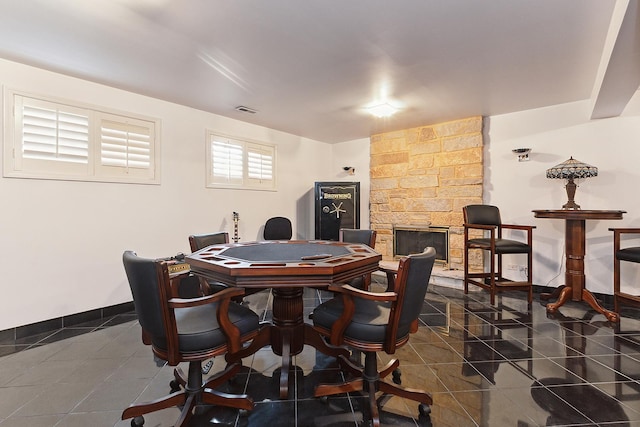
{"x":247,"y":146}
{"x":17,"y":166}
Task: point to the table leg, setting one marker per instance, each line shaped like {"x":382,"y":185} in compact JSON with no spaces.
{"x":565,"y":293}
{"x":553,"y":295}
{"x":591,"y":300}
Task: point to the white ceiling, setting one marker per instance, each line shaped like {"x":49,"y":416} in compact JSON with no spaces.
{"x":309,"y":67}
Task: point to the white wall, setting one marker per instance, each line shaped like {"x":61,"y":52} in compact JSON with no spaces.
{"x":554,"y":134}
{"x":62,"y":242}
{"x":355,"y":154}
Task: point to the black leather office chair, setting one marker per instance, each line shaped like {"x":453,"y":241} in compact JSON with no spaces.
{"x":373,"y":322}
{"x":629,"y":254}
{"x":278,"y":228}
{"x":365,"y":237}
{"x":187,"y":330}
{"x":482,"y":219}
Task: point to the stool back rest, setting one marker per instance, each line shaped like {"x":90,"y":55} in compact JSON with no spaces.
{"x":482,"y":214}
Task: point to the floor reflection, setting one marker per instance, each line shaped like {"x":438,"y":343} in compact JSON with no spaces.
{"x":494,"y":366}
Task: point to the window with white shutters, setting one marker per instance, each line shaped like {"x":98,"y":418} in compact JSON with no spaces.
{"x":234,"y":163}
{"x":56,"y":140}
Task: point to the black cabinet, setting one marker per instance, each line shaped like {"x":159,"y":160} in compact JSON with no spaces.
{"x":337,"y":205}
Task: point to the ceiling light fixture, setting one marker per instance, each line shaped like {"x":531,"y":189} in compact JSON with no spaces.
{"x":382,"y":110}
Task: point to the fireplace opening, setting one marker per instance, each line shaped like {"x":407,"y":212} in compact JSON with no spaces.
{"x":411,"y":239}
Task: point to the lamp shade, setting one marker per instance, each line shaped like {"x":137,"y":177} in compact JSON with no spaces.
{"x":572,"y":169}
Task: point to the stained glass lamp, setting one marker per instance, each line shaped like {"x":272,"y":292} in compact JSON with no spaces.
{"x":572,"y":169}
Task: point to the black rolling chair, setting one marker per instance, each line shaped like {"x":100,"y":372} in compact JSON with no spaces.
{"x":278,"y":228}
{"x":481,"y":219}
{"x":373,"y":322}
{"x":365,"y":237}
{"x":187,"y":330}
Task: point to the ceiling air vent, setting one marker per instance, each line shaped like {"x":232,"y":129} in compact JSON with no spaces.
{"x":244,"y":109}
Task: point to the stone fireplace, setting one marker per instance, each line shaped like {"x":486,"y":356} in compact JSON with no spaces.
{"x":423,"y":177}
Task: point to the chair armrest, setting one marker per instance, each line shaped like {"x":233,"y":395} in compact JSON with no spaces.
{"x":348,"y":293}
{"x":225,"y":294}
{"x":518,"y":227}
{"x":624,"y":230}
{"x":480,"y":226}
{"x":359,"y":293}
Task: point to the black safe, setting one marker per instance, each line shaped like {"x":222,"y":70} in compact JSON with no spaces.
{"x":337,"y":205}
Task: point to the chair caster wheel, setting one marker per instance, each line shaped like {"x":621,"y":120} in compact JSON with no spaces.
{"x":175,"y":386}
{"x":396,"y":374}
{"x":424,"y":409}
{"x":137,"y":421}
{"x":324,"y":399}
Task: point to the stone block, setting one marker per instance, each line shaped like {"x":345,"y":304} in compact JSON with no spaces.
{"x":421,"y":193}
{"x":429,"y":147}
{"x":388,"y":171}
{"x":420,"y":161}
{"x":418,"y":181}
{"x":458,"y":127}
{"x":460,"y":181}
{"x":429,"y":205}
{"x":427,"y":133}
{"x":461,"y":191}
{"x":398,"y":204}
{"x":389,"y":158}
{"x":471,"y":170}
{"x":462,"y":142}
{"x":383,"y":184}
{"x":461,"y":157}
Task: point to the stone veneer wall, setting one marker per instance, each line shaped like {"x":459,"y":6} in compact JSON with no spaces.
{"x":423,"y":176}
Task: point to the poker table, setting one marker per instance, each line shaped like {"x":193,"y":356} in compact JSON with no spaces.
{"x":286,"y":267}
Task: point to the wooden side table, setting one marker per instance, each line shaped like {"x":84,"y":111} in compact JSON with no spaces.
{"x":575,"y":250}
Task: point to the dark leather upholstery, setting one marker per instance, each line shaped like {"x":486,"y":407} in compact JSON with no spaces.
{"x":278,"y":228}
{"x":190,"y":330}
{"x":629,"y":294}
{"x":631,"y":254}
{"x":365,"y":237}
{"x":485,"y":219}
{"x":379,"y":322}
{"x":201,"y":241}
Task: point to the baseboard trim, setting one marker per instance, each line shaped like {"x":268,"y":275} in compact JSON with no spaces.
{"x":51,"y":325}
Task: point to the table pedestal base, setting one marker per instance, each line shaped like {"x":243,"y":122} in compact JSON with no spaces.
{"x":563,"y":294}
{"x":287,"y":335}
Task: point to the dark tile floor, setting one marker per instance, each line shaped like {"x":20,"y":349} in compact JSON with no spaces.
{"x":485,"y":366}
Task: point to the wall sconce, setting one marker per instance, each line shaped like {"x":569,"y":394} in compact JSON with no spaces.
{"x":523,"y":154}
{"x":350,"y":170}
